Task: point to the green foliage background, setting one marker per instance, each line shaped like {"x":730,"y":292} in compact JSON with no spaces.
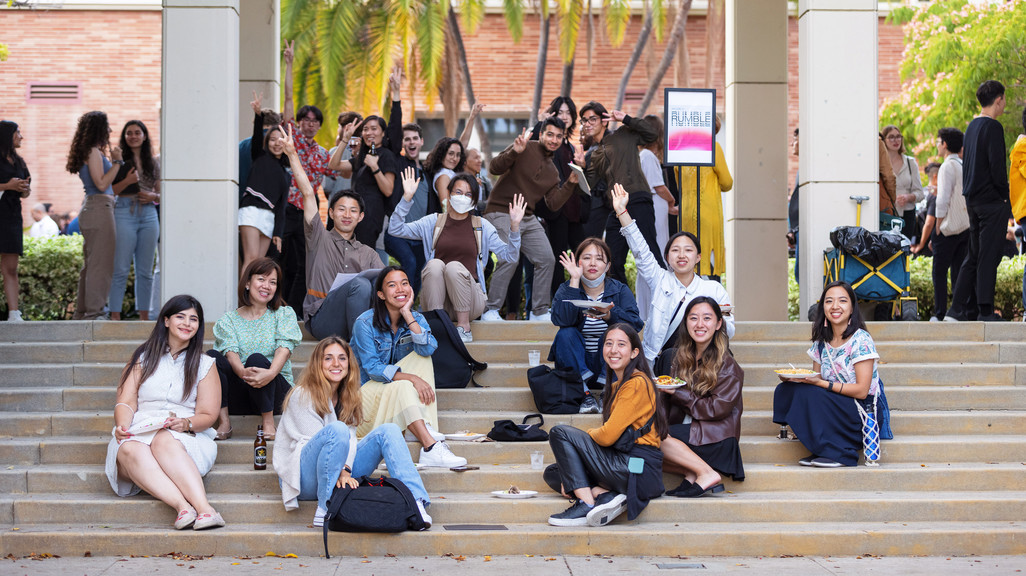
{"x":951,"y":47}
{"x":48,"y":275}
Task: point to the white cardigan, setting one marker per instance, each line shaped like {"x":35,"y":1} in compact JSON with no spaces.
{"x":298,"y":424}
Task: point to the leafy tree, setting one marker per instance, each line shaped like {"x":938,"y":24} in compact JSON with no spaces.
{"x":951,"y":47}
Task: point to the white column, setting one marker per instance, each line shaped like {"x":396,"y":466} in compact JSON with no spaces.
{"x":259,"y":70}
{"x":199,"y":153}
{"x":838,"y":125}
{"x":755,"y":210}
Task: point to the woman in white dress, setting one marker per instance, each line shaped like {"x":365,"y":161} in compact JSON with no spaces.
{"x":168,"y":400}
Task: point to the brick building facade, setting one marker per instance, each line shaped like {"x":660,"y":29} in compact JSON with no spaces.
{"x":110,"y":60}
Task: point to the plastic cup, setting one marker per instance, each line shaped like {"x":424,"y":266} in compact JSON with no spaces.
{"x":533,"y":357}
{"x":537,"y":461}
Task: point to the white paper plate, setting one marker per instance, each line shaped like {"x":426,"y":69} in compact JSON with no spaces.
{"x":589,"y":304}
{"x":464,"y":437}
{"x":523,"y":494}
{"x":796,"y":376}
{"x":668,"y":386}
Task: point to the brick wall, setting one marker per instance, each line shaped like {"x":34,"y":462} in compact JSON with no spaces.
{"x":115,"y":55}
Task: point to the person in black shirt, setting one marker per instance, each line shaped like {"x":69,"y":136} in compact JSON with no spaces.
{"x":985,"y":187}
{"x":373,"y":170}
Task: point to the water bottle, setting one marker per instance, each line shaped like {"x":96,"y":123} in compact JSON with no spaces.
{"x":871,"y":439}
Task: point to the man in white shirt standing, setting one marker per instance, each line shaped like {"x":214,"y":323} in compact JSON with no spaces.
{"x":952,"y":241}
{"x":44,"y":226}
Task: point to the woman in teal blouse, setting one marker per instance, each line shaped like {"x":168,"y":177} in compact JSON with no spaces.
{"x":253,"y":348}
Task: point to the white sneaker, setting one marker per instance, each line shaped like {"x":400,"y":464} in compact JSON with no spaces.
{"x":319,"y":516}
{"x":491,"y":316}
{"x":15,"y":316}
{"x":934,"y":319}
{"x":465,"y":335}
{"x":424,"y":514}
{"x":410,"y":437}
{"x":950,"y":319}
{"x":440,"y":457}
{"x":546,"y":317}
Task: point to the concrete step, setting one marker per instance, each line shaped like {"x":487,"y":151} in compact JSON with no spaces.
{"x":760,"y":478}
{"x":483,"y":508}
{"x":775,"y":353}
{"x":505,"y":374}
{"x":619,"y":538}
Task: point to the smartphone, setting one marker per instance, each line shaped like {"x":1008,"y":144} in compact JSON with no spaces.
{"x":464,"y":468}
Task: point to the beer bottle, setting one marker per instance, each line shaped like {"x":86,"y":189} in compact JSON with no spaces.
{"x":260,"y":450}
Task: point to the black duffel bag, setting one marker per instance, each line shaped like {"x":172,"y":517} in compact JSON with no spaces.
{"x":378,"y":505}
{"x":556,"y":391}
{"x":510,"y":431}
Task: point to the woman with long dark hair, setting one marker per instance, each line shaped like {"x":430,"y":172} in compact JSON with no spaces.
{"x":705,"y":413}
{"x":373,"y":169}
{"x":88,"y":158}
{"x":825,"y":409}
{"x":253,"y":349}
{"x":617,"y":466}
{"x":907,"y":185}
{"x":15,"y":184}
{"x":394,"y":345}
{"x":446,"y":160}
{"x":262,"y":204}
{"x":317,"y":450}
{"x":166,"y":405}
{"x":137,"y":188}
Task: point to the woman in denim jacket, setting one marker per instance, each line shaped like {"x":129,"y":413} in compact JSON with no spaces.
{"x":576,"y":344}
{"x":393,"y":344}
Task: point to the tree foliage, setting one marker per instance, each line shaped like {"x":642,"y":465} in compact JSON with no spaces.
{"x":951,"y":47}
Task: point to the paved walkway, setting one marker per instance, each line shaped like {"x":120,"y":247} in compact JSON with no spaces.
{"x":520,"y":565}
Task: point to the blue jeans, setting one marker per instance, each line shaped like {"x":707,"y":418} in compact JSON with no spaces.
{"x":568,"y":351}
{"x":323,"y":457}
{"x":410,"y":255}
{"x":137,"y":232}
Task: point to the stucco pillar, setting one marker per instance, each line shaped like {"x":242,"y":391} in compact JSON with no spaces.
{"x":199,"y":124}
{"x":259,"y":70}
{"x":755,"y":210}
{"x":837,"y":120}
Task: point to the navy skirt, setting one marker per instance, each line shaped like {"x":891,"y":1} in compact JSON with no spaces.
{"x":827,"y":423}
{"x":723,"y":456}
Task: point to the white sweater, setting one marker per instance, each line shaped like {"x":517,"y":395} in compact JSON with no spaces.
{"x":298,"y":424}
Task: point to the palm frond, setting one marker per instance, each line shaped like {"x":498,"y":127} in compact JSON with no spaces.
{"x":513,"y":11}
{"x":472,"y":13}
{"x":658,"y":8}
{"x":431,"y":41}
{"x":618,"y":15}
{"x":570,"y":13}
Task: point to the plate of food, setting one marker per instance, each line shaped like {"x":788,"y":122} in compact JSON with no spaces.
{"x":669,"y":383}
{"x":587,"y":304}
{"x":795,"y":373}
{"x":514,"y":493}
{"x":463,"y":436}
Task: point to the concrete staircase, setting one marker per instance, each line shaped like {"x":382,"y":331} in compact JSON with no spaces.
{"x":953,"y":482}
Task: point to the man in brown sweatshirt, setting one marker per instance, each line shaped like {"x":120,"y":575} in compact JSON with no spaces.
{"x":526,"y":168}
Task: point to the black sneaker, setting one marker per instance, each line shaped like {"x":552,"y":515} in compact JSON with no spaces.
{"x":575,"y":515}
{"x":589,"y":406}
{"x":608,"y":506}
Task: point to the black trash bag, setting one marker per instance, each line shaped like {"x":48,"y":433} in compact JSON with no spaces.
{"x":873,"y":247}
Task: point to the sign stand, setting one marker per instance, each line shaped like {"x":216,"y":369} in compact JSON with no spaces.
{"x":689,"y":117}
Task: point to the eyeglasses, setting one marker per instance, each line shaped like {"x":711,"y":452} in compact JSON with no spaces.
{"x":590,"y":119}
{"x":894,"y":137}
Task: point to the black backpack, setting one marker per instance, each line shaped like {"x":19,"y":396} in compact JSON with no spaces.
{"x":453,"y":364}
{"x":378,"y":505}
{"x":556,"y":391}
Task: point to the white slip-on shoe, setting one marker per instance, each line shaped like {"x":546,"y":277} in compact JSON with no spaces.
{"x":491,"y":316}
{"x":440,"y":457}
{"x":546,"y":317}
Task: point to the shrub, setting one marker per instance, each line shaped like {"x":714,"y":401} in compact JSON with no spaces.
{"x":48,"y":276}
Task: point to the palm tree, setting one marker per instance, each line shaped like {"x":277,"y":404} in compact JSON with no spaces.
{"x":676,"y":34}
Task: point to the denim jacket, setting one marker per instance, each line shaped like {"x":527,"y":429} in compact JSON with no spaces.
{"x":378,"y":352}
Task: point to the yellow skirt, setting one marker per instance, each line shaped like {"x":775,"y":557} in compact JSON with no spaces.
{"x":397,"y":402}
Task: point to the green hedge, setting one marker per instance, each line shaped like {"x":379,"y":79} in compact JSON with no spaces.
{"x":1007,"y":293}
{"x":48,"y":276}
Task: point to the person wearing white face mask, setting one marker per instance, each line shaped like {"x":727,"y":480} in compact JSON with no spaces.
{"x":457,"y":247}
{"x":576,"y":344}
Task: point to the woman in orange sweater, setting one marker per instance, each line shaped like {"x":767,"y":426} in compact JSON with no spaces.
{"x":617,"y":466}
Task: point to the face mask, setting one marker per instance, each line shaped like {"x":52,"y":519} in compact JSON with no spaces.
{"x":460,"y":204}
{"x":593,"y":283}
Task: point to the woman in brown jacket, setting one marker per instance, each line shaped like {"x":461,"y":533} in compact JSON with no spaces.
{"x":705,"y":413}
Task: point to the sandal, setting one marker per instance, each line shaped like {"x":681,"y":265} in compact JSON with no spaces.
{"x":224,"y":435}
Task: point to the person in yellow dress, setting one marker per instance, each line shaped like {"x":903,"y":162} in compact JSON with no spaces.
{"x":714,"y":180}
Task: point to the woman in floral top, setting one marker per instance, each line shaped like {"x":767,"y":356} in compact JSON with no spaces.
{"x":822,"y":409}
{"x":253,"y":349}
